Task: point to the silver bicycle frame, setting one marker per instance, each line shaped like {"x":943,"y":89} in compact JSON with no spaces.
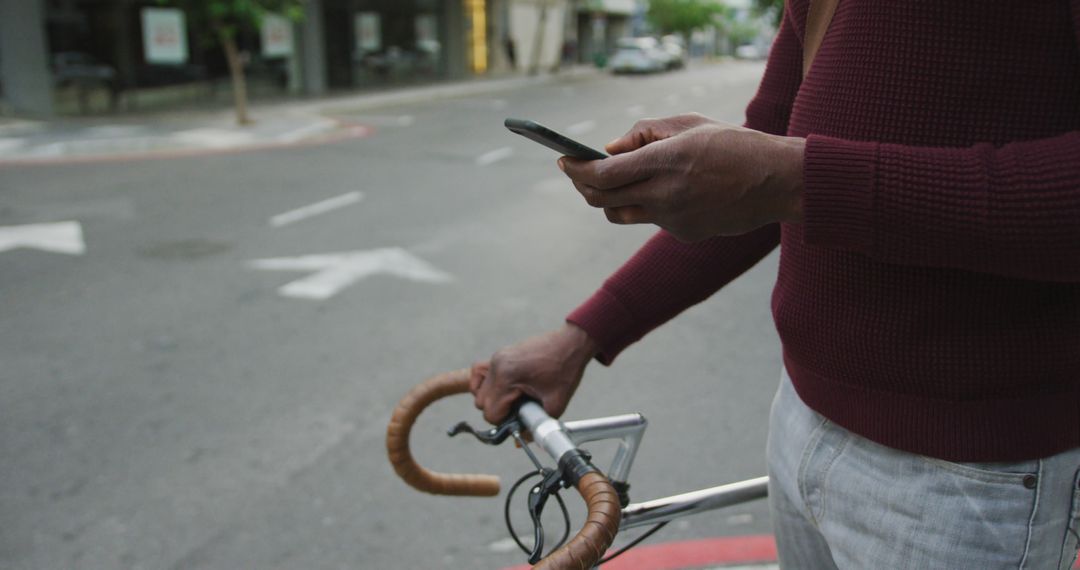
{"x":557,"y":438}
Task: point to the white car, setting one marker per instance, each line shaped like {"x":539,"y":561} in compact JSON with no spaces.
{"x":639,"y":55}
{"x":749,"y":52}
{"x":676,"y":48}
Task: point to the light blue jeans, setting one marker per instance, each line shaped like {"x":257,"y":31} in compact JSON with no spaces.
{"x":839,"y":500}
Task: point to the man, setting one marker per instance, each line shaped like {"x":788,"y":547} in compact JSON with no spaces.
{"x":923,"y":183}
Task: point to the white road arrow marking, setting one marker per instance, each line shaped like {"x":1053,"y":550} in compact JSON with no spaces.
{"x":60,"y":237}
{"x":293,"y":216}
{"x":337,"y":271}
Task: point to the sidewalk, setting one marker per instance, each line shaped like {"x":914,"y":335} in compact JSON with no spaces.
{"x":183,"y":133}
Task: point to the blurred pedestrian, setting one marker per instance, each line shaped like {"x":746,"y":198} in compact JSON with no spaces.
{"x":511,"y":51}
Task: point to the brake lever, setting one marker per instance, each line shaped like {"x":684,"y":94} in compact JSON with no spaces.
{"x":552,"y":483}
{"x":492,"y":436}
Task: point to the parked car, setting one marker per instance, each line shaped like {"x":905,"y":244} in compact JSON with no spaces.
{"x":676,"y":48}
{"x":639,"y":55}
{"x":750,"y":51}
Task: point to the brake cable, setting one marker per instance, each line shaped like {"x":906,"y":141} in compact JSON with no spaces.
{"x":550,"y":485}
{"x":542,"y":472}
{"x":510,"y":525}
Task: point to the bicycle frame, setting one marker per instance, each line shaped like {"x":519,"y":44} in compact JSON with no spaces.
{"x":556,"y":438}
{"x":608,"y":505}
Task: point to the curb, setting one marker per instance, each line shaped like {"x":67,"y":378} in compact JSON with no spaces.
{"x":341,"y":132}
{"x":202,"y":139}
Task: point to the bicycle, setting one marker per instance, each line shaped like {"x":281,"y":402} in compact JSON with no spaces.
{"x":606,"y":495}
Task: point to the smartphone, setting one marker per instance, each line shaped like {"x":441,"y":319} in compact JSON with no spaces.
{"x":553,"y":140}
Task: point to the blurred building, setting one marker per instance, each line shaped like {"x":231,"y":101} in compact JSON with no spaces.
{"x":600,"y":23}
{"x":547,"y":34}
{"x":92,"y":55}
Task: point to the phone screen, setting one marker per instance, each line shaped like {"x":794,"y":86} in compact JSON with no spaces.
{"x":553,"y":140}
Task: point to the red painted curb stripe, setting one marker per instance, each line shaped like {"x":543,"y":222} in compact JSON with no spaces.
{"x":693,"y":553}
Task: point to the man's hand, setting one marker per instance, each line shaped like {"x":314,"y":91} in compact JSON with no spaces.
{"x":547,"y":368}
{"x":694,"y":177}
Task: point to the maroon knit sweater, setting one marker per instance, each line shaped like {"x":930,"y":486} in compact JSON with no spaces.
{"x":931,"y":299}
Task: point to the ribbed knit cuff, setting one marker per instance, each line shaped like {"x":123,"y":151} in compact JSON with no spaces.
{"x":607,"y":321}
{"x":838,"y":193}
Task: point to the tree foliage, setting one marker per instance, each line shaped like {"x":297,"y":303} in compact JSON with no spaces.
{"x":683,"y":16}
{"x":773,"y":7}
{"x":218,"y":21}
{"x":212,"y":18}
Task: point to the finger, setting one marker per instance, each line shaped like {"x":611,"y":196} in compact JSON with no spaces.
{"x":649,"y":193}
{"x":628,"y":215}
{"x":478,"y":397}
{"x":616,"y":198}
{"x":611,"y":172}
{"x":647,"y":131}
{"x":642,"y":133}
{"x":497,"y":409}
{"x":552,"y":403}
{"x":477,"y":374}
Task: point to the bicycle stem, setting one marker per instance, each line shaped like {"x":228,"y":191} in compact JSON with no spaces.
{"x":557,"y":438}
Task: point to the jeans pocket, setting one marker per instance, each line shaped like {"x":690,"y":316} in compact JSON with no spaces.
{"x":1018,"y":473}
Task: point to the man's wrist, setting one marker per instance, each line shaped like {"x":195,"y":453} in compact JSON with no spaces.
{"x":584,"y":345}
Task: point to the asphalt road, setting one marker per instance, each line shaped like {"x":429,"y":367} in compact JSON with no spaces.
{"x":165,"y":404}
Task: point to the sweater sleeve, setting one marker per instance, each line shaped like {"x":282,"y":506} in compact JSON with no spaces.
{"x":666,"y":276}
{"x":1012,"y":211}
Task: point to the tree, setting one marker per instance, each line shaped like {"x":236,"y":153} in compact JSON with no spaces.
{"x":683,"y":16}
{"x":773,"y":7}
{"x":219,"y":21}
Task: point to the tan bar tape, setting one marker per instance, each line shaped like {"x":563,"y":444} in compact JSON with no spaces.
{"x":595,"y":537}
{"x":397,"y":441}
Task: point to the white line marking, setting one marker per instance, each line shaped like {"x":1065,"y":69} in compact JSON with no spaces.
{"x":306,"y":131}
{"x":494,"y":156}
{"x":635,"y":110}
{"x":213,"y":138}
{"x":386,"y":120}
{"x":765,"y":566}
{"x":11,"y":144}
{"x":578,"y":129}
{"x":61,"y":237}
{"x":740,"y":519}
{"x":503,"y":546}
{"x":115,"y":131}
{"x":335,"y":272}
{"x":293,"y":216}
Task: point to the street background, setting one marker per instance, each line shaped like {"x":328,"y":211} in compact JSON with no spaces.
{"x":168,"y":402}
